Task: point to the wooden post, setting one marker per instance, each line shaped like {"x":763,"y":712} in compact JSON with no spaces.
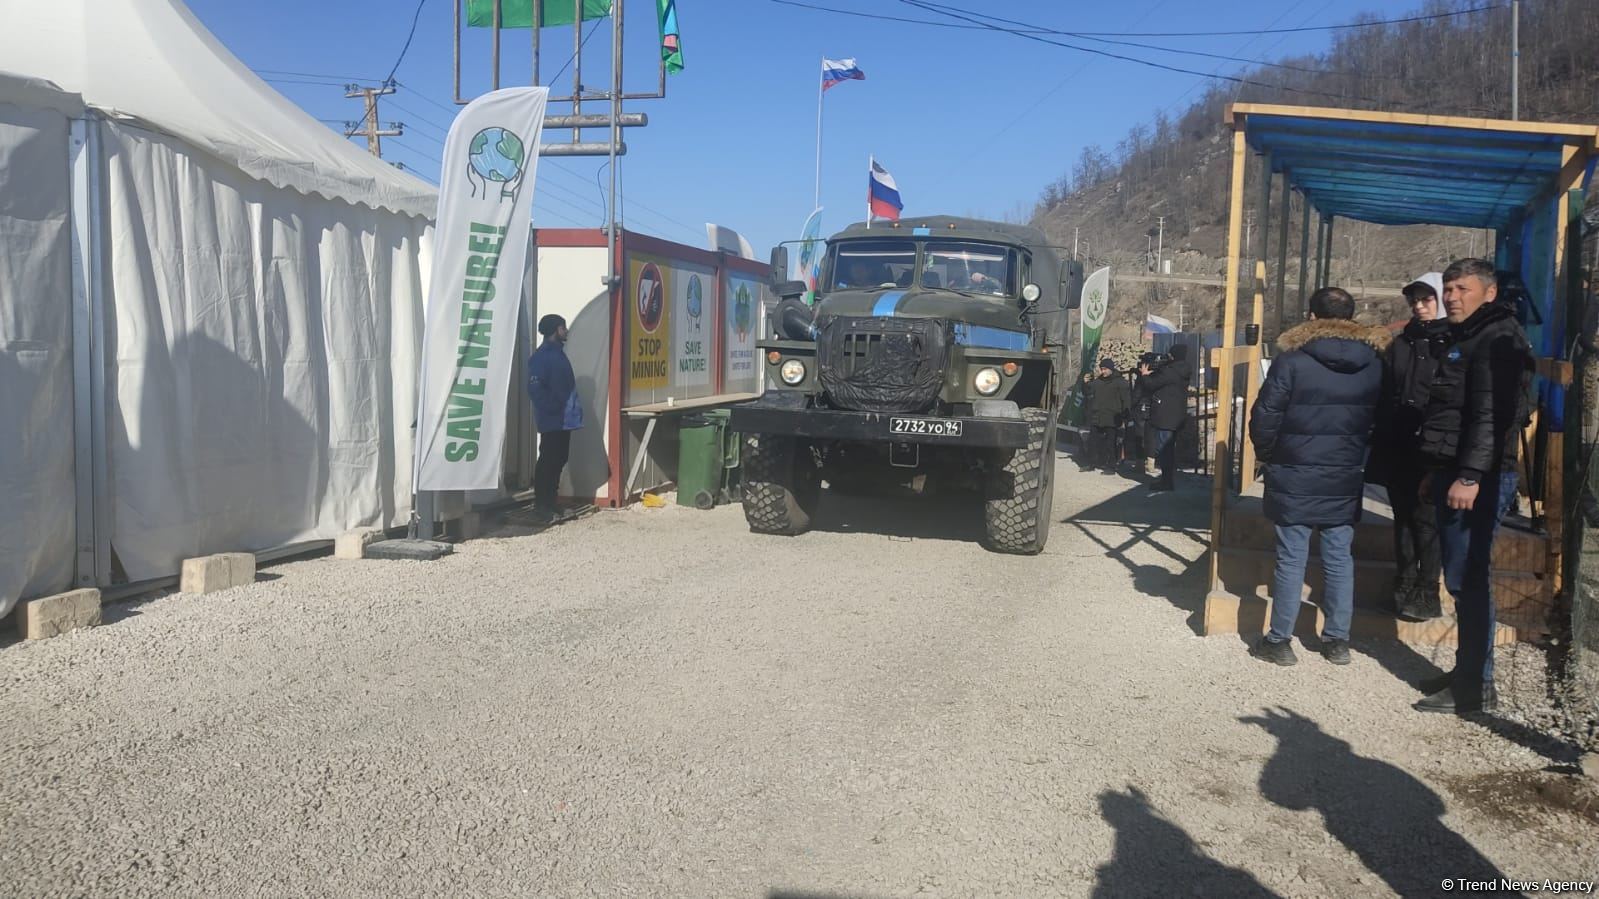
{"x":1282,"y":261}
{"x":1257,"y":317}
{"x":1304,"y":256}
{"x":1572,"y":169}
{"x":1224,"y":375}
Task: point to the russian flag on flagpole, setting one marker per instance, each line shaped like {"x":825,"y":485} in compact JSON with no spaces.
{"x":1154,"y":324}
{"x":838,"y":71}
{"x":882,"y":194}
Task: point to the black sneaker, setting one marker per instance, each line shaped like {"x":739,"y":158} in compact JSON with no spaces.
{"x":1423,"y":604}
{"x":1335,"y":651}
{"x":1274,"y":652}
{"x":1461,"y":699}
{"x":1160,"y":489}
{"x":1109,"y":471}
{"x":1438,"y":682}
{"x":542,"y":515}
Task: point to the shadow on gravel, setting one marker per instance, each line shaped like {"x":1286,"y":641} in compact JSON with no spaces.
{"x":1386,"y":817}
{"x":790,"y":894}
{"x":950,"y":516}
{"x":1176,"y":526}
{"x":1154,"y":857}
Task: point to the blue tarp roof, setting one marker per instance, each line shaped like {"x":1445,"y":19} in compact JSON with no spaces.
{"x":1412,"y":173}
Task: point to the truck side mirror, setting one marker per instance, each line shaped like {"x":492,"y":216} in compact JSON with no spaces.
{"x":779,"y":264}
{"x":1071,"y":284}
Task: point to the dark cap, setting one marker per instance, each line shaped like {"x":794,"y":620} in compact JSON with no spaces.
{"x":550,"y":323}
{"x":1108,"y":362}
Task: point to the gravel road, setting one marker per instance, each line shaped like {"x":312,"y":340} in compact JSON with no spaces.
{"x":658,"y":703}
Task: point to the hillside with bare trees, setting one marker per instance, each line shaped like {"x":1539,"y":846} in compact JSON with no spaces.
{"x":1177,"y":166}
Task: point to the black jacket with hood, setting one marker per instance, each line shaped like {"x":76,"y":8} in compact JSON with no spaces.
{"x":1479,"y":396}
{"x":1312,"y":422}
{"x":1167,"y":390}
{"x":1410,"y":365}
{"x":1109,"y":400}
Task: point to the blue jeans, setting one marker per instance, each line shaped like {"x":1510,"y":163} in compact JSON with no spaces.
{"x":1165,"y":453}
{"x":1338,"y":574}
{"x":1466,"y":542}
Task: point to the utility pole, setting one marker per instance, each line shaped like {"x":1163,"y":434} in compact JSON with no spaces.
{"x":368,"y":126}
{"x":1074,"y":241}
{"x":1160,"y":245}
{"x":1515,"y":59}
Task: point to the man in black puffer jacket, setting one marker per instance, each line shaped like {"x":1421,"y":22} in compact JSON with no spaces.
{"x":1479,"y":402}
{"x":1312,"y":425}
{"x":1167,"y":389}
{"x":1411,"y":363}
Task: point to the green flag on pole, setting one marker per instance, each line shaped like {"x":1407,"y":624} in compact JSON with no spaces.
{"x":519,"y":13}
{"x":671,"y":42}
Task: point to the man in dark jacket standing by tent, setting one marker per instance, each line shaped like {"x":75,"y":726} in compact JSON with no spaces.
{"x":1167,"y":389}
{"x":1411,"y":363}
{"x":1109,"y":401}
{"x":1312,"y":425}
{"x":556,"y":412}
{"x":1469,"y":439}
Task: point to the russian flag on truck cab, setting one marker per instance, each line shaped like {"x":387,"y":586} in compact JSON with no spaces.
{"x":838,"y":71}
{"x":882,"y":194}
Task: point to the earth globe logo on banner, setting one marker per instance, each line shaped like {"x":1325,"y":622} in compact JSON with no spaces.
{"x":743,"y":311}
{"x":649,"y":297}
{"x":496,"y":156}
{"x":696,"y":299}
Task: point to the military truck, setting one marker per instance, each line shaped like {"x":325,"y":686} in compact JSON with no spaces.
{"x":934,"y":349}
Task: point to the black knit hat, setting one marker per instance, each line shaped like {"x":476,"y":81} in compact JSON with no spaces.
{"x":1108,"y":362}
{"x":550,"y":323}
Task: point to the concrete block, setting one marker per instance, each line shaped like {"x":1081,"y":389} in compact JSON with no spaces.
{"x":50,"y":616}
{"x":208,"y":574}
{"x":353,"y":544}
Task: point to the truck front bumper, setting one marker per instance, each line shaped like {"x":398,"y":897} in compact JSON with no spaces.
{"x":876,"y":427}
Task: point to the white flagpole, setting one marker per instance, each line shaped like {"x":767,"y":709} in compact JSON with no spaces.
{"x":821,"y":86}
{"x":869,"y":162}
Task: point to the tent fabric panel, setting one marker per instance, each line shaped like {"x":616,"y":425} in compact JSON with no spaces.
{"x":38,"y":528}
{"x":264,"y":345}
{"x":123,"y":58}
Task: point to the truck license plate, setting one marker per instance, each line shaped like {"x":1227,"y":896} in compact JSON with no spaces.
{"x":925,"y":427}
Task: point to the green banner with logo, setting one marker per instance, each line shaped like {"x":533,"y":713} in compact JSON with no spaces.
{"x":1096,"y":299}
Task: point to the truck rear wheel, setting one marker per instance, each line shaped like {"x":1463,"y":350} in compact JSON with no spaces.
{"x":782,"y":484}
{"x":1020,"y":494}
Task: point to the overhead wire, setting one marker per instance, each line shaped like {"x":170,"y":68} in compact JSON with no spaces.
{"x":415,"y":17}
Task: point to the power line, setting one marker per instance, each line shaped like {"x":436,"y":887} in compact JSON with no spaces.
{"x":1144,"y":62}
{"x":1123,"y":34}
{"x":341,"y":79}
{"x":415,"y":17}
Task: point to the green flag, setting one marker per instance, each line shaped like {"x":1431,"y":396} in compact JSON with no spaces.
{"x":671,"y":41}
{"x":519,"y":13}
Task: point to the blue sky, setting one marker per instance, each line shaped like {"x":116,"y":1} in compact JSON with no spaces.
{"x":969,"y":122}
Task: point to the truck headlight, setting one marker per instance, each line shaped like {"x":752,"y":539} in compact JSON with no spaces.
{"x":792,"y":372}
{"x":986,"y":381}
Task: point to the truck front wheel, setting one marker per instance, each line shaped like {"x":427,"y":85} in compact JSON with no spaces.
{"x":1020,"y":492}
{"x":782,"y":484}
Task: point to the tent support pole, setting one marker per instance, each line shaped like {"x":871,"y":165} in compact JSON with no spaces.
{"x":92,"y":559}
{"x":1257,"y":318}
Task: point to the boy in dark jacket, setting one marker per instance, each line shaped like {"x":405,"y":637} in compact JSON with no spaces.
{"x":1167,"y":389}
{"x":1109,"y":401}
{"x":1468,"y":439}
{"x":1411,"y":363}
{"x":1312,"y":425}
{"x":556,"y":412}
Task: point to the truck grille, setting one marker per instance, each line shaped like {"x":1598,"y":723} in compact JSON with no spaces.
{"x":883,"y":364}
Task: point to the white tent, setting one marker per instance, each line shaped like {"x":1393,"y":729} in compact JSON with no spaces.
{"x":210,"y":305}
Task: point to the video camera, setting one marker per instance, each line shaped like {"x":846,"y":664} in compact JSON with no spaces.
{"x":1154,"y":360}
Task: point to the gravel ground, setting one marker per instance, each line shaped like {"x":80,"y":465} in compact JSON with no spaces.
{"x":658,"y":703}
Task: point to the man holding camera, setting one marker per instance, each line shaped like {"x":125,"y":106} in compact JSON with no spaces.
{"x":1166,"y":385}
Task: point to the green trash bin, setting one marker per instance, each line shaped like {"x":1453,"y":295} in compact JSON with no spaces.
{"x":700,"y":458}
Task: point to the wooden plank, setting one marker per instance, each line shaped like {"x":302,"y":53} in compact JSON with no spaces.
{"x":688,"y":405}
{"x":1252,"y":372}
{"x":1224,"y":375}
{"x":1559,"y":371}
{"x":1237,"y":110}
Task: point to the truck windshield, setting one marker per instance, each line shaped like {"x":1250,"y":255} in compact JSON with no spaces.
{"x":873,"y":263}
{"x":971,"y":267}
